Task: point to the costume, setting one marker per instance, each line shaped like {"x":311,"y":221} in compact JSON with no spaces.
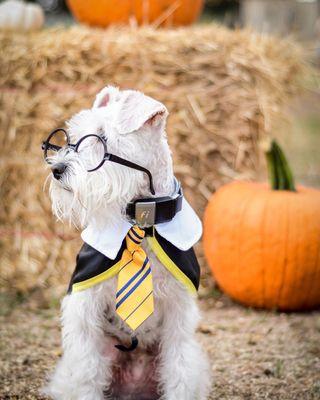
{"x":100,"y":257}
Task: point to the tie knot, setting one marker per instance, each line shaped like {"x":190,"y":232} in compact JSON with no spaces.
{"x":134,"y":238}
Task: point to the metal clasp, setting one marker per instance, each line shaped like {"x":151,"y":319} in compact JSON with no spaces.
{"x":145,"y":213}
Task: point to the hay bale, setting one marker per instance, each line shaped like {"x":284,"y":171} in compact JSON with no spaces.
{"x":224,"y":90}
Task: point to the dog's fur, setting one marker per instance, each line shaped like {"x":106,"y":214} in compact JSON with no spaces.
{"x":168,"y":363}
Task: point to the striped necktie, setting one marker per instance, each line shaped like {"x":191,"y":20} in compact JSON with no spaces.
{"x":134,"y":298}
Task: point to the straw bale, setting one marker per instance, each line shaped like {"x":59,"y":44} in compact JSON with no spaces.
{"x":225,"y":90}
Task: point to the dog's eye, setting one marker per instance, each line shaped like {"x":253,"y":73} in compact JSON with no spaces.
{"x":100,"y":131}
{"x":68,"y":150}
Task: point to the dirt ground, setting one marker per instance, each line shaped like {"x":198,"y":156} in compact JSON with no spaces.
{"x":253,"y":354}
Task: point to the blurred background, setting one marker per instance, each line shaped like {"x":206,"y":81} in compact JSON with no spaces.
{"x":299,"y":17}
{"x":296,"y":19}
{"x":234,"y":75}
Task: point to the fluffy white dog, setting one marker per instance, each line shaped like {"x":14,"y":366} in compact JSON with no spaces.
{"x":168,"y":363}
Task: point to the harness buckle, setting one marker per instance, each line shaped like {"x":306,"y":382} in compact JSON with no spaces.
{"x":145,"y":213}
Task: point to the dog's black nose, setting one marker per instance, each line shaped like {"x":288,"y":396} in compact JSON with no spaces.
{"x":58,"y":169}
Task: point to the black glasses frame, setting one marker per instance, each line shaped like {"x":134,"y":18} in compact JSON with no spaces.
{"x":46,"y":145}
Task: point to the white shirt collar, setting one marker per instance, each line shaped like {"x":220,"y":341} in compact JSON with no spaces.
{"x":183,"y":231}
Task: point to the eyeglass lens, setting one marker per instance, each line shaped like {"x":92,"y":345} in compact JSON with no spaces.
{"x":55,"y":142}
{"x":91,"y":150}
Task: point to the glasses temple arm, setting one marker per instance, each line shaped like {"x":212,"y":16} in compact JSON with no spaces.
{"x":122,"y":161}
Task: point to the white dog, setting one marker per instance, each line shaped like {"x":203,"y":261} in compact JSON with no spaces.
{"x":167,"y":362}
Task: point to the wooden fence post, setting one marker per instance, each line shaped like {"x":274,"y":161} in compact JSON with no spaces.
{"x":281,"y":17}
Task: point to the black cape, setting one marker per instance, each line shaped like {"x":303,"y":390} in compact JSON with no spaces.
{"x":93,"y":267}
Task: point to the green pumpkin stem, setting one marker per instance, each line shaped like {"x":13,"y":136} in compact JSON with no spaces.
{"x":280,"y":175}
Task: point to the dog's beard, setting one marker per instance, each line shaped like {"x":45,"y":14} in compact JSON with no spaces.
{"x":79,"y":196}
{"x":69,"y":195}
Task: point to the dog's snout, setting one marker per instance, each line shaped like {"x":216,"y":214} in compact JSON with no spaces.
{"x":58,"y":170}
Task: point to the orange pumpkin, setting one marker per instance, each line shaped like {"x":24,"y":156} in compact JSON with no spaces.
{"x":263,"y":244}
{"x":161,"y":12}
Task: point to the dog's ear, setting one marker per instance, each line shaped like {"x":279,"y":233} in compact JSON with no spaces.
{"x":106,"y":96}
{"x":138,"y":110}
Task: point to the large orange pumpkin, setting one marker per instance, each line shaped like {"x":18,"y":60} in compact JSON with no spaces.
{"x":263,"y":244}
{"x":161,"y":12}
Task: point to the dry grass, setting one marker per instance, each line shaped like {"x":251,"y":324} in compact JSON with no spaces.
{"x":225,"y":90}
{"x":254,"y":355}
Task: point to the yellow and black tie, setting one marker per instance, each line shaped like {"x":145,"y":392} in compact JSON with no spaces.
{"x":134,"y":298}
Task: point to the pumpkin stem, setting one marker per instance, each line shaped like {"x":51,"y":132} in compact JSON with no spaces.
{"x":280,"y":174}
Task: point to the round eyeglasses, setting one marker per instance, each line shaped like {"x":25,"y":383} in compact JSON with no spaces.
{"x":92,"y":150}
